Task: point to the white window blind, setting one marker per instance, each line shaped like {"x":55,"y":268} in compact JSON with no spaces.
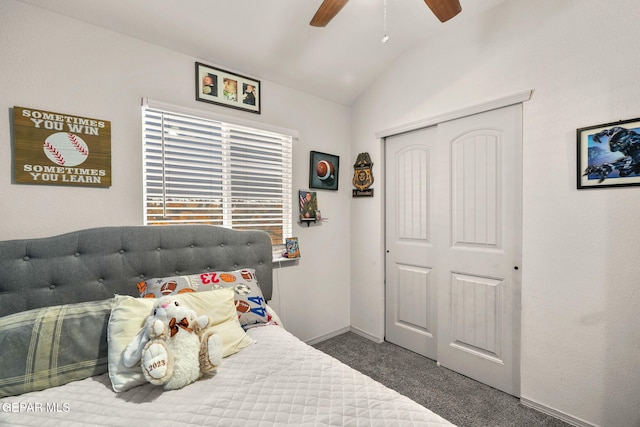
{"x":199,"y":170}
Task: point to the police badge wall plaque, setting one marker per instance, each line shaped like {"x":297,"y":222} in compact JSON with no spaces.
{"x":362,"y":176}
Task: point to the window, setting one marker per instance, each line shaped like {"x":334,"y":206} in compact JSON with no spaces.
{"x":199,"y":169}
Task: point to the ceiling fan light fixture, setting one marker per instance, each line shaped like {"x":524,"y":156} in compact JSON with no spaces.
{"x":442,"y":9}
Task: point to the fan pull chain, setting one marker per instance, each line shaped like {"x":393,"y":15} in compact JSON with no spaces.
{"x":385,"y":37}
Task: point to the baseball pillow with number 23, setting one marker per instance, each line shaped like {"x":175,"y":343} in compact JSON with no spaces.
{"x":249,"y":300}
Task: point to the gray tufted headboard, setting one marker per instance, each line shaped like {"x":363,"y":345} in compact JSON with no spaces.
{"x":97,"y":263}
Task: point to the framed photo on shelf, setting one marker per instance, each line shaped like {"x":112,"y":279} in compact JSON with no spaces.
{"x":308,"y":205}
{"x":323,"y":171}
{"x":607,"y":155}
{"x":292,"y":247}
{"x":227,"y":89}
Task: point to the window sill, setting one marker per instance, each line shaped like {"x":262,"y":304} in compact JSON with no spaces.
{"x":279,"y":259}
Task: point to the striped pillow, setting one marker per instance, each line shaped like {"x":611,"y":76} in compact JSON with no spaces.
{"x":51,"y":346}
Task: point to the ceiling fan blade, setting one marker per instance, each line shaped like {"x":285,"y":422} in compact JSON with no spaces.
{"x":325,"y":13}
{"x":444,"y":9}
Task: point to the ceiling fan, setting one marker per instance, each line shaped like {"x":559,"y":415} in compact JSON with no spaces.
{"x":443,"y":9}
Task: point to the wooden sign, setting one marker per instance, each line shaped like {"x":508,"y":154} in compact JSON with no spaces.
{"x":60,"y":149}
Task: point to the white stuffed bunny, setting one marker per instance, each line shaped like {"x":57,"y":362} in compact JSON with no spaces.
{"x":173,"y":346}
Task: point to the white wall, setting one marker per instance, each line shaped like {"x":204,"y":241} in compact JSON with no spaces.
{"x":54,"y":63}
{"x":580,"y":271}
{"x":581,"y":275}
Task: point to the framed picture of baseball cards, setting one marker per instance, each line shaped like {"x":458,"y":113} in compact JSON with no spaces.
{"x":609,"y":155}
{"x":228,"y":89}
{"x":60,"y":149}
{"x":323,"y":171}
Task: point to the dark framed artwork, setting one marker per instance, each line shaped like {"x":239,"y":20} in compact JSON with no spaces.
{"x":323,"y":171}
{"x":609,"y":155}
{"x":226,"y":88}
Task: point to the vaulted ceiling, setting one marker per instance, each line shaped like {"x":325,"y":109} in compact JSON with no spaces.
{"x":272,"y":39}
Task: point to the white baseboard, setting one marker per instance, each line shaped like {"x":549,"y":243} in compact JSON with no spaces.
{"x":366,"y":335}
{"x":321,"y":338}
{"x":357,"y":331}
{"x":555,"y":413}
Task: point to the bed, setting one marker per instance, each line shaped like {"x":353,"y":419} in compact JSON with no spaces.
{"x":67,"y":303}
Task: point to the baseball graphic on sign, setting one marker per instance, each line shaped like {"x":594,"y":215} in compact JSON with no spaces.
{"x":65,"y":149}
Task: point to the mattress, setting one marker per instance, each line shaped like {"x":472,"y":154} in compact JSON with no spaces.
{"x":278,"y":380}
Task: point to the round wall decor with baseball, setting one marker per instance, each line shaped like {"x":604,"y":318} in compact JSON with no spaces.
{"x":61,"y":149}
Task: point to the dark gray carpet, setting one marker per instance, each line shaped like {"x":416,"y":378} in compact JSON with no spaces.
{"x":459,"y":399}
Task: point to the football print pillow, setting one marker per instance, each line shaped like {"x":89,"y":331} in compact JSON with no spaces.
{"x":249,"y":301}
{"x":156,"y":288}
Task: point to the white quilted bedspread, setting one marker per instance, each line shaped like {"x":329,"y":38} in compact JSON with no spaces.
{"x":277,"y":381}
